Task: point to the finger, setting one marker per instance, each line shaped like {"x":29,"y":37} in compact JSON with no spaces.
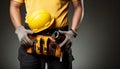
{"x":29,"y":31}
{"x":62,"y":31}
{"x":64,"y":42}
{"x":28,"y":41}
{"x":22,"y":42}
{"x":68,"y":44}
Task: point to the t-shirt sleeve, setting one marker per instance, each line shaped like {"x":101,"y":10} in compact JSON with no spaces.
{"x":20,"y":1}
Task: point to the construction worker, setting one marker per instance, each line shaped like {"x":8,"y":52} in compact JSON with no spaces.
{"x":54,"y":17}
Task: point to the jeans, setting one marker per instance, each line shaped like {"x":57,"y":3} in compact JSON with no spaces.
{"x":33,"y":61}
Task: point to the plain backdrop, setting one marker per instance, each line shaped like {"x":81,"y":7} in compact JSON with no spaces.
{"x":97,"y":43}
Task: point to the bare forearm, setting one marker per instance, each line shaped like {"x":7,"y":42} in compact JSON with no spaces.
{"x":77,"y":16}
{"x":15,"y":14}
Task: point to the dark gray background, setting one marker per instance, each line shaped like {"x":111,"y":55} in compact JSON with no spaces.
{"x":96,"y":46}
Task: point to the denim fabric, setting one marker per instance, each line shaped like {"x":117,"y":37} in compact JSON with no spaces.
{"x":32,"y":61}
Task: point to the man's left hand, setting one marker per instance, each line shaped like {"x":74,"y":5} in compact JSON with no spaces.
{"x":69,"y":36}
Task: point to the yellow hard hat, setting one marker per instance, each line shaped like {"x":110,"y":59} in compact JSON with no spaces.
{"x":39,"y":20}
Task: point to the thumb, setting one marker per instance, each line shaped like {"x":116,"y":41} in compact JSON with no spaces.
{"x":64,"y":42}
{"x":29,"y":31}
{"x":63,"y":32}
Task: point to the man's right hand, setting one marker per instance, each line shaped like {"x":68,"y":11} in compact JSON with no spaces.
{"x":22,"y":34}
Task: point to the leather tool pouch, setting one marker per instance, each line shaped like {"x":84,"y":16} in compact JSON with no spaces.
{"x":44,"y":45}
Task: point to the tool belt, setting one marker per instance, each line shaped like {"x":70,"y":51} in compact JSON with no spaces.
{"x":46,"y":43}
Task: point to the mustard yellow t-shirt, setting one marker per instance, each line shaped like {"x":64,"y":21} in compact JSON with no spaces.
{"x":57,"y":8}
